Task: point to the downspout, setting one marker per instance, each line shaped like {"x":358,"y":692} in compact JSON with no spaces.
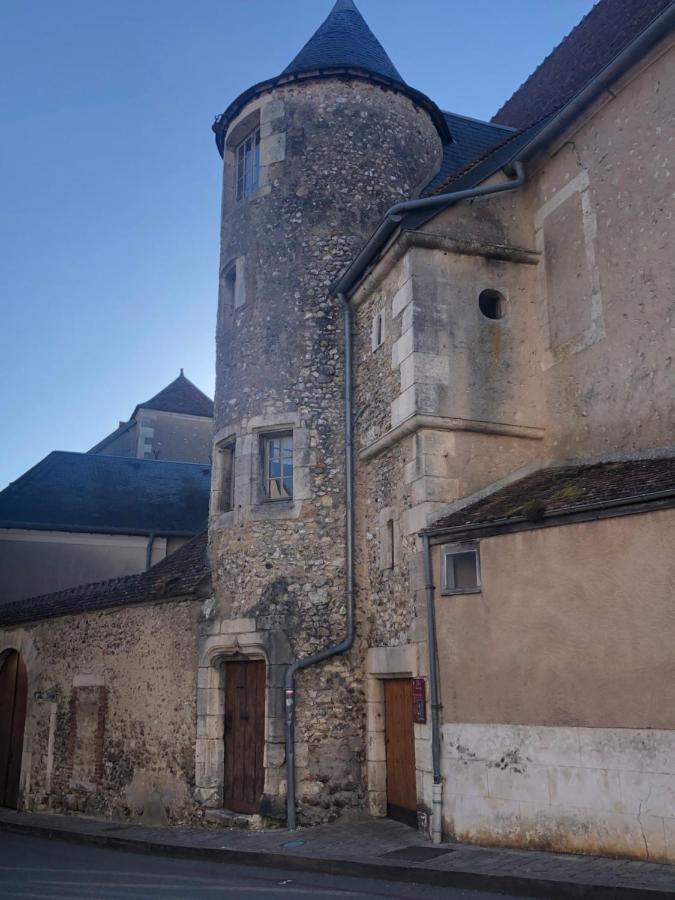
{"x":437,"y":795}
{"x":339,"y":289}
{"x":148,"y":549}
{"x":345,"y":644}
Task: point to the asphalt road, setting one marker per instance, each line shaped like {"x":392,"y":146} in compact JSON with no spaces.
{"x":41,"y":869}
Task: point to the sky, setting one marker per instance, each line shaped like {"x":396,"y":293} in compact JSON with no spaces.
{"x":110,"y":178}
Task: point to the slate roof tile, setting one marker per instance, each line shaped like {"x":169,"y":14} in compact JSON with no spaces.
{"x":184,"y":573}
{"x":89,"y":492}
{"x":567,"y":489}
{"x":600,"y":36}
{"x":471,"y":138}
{"x":181,"y":396}
{"x":344,"y":39}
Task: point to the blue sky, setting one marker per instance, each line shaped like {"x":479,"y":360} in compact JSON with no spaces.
{"x":111,"y":180}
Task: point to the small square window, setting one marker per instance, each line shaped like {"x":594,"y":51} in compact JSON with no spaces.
{"x":461,"y":569}
{"x":248,"y":165}
{"x":278,"y":466}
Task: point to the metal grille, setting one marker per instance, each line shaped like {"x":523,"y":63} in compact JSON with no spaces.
{"x":248,"y":165}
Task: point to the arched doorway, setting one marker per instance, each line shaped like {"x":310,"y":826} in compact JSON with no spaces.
{"x":13,"y":695}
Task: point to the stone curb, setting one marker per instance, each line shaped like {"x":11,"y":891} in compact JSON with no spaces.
{"x":522,"y":886}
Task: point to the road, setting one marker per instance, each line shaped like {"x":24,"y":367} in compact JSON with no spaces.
{"x":42,"y":869}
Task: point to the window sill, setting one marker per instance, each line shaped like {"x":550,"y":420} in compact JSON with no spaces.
{"x":448,"y":593}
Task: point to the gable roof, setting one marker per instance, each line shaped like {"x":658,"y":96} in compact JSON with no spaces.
{"x":625,"y":486}
{"x":86,"y":492}
{"x":344,"y":39}
{"x":600,"y":36}
{"x":471,"y":138}
{"x":181,"y":574}
{"x":181,"y":396}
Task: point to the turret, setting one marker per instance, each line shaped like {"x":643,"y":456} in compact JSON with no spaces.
{"x":312,"y":159}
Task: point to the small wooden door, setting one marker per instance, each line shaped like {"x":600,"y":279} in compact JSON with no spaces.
{"x":13,"y":695}
{"x":400,"y":746}
{"x":244,"y":735}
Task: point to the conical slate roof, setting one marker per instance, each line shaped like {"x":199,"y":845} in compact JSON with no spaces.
{"x":181,"y":396}
{"x":344,"y":39}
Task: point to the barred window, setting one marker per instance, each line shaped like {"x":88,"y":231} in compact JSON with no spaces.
{"x":278,"y":466}
{"x":248,"y":165}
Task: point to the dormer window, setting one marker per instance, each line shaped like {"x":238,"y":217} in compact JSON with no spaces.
{"x":248,"y":165}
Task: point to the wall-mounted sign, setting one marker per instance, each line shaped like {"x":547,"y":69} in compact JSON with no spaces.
{"x":419,"y":696}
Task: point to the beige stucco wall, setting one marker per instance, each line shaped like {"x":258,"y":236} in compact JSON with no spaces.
{"x":112,"y":729}
{"x":558,"y":690}
{"x":40,"y":562}
{"x":574,"y":626}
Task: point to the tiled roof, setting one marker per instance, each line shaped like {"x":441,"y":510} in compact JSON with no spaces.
{"x":600,"y":36}
{"x":567,"y":490}
{"x":181,"y":396}
{"x":471,"y":138}
{"x":344,"y":39}
{"x":108,"y":494}
{"x":184,"y":573}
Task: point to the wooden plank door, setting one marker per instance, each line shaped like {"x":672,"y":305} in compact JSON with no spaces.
{"x":244,"y":735}
{"x":13,"y":696}
{"x":400,"y":746}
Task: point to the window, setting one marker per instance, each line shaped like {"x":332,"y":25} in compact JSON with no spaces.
{"x":492,"y":304}
{"x":278,"y":466}
{"x":248,"y":165}
{"x":230,"y":286}
{"x":461,"y":569}
{"x":226,"y":462}
{"x":378,"y":330}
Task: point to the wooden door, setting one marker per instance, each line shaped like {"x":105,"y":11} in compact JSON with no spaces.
{"x":244,"y":735}
{"x":400,"y":746}
{"x":13,"y":695}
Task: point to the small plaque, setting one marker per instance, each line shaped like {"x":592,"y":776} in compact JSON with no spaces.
{"x":419,"y":695}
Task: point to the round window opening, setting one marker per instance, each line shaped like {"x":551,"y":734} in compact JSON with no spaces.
{"x":492,"y":304}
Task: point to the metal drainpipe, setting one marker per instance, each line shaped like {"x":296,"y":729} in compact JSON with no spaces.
{"x":437,"y":796}
{"x":345,"y":644}
{"x":148,"y":550}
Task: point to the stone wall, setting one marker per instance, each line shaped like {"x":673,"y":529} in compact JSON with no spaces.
{"x":110,"y":727}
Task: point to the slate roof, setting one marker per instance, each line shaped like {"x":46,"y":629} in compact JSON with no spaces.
{"x":87,"y":492}
{"x":184,"y":573}
{"x":181,"y":396}
{"x":471,"y":138}
{"x":566,"y":490}
{"x":600,"y":36}
{"x":344,"y":39}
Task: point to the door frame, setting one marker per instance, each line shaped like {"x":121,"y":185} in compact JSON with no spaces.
{"x":383,"y":663}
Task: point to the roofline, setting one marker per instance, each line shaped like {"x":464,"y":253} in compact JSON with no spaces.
{"x":118,"y":432}
{"x":24,"y":617}
{"x":588,"y":512}
{"x":510,"y":128}
{"x":89,"y":529}
{"x":172,"y":412}
{"x":552,"y":125}
{"x":344,"y":73}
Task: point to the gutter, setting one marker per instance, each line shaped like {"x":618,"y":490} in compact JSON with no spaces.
{"x":437,"y":789}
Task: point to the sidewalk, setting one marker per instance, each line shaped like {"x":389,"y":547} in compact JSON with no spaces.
{"x":372,"y":848}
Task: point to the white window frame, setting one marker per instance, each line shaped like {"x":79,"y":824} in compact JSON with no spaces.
{"x":266,"y":439}
{"x":449,"y":550}
{"x":247,"y":165}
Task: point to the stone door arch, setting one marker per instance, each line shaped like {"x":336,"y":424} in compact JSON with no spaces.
{"x":13,"y":700}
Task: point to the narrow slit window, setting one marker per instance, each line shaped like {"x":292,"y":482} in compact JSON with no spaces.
{"x":226,"y":477}
{"x":378,"y":330}
{"x":461,"y":570}
{"x":278,"y":466}
{"x":248,"y":165}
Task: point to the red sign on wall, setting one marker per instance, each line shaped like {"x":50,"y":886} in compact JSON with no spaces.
{"x":419,"y":698}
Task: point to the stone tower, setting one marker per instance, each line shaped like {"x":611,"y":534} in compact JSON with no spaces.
{"x":312,"y":159}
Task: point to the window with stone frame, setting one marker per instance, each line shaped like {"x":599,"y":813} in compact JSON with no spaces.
{"x":277,"y":459}
{"x":226,"y":464}
{"x":460,"y":569}
{"x":248,"y":165}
